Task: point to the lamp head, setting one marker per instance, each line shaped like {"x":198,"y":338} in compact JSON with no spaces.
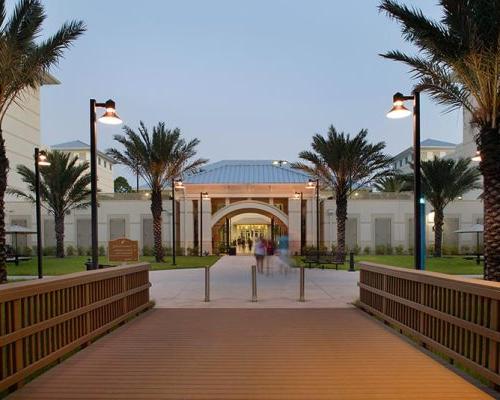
{"x":178,"y":184}
{"x":398,"y":109}
{"x":43,"y":160}
{"x":110,"y":117}
{"x":296,"y":195}
{"x":311,"y":184}
{"x":204,"y":196}
{"x":477,"y":157}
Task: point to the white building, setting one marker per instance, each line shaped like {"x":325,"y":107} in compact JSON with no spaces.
{"x":105,"y":181}
{"x":429,"y":149}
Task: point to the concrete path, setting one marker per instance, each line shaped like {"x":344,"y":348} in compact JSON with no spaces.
{"x":277,"y":286}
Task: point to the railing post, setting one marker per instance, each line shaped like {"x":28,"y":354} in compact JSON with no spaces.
{"x":254,"y":283}
{"x":302,"y":283}
{"x":351,"y":262}
{"x":207,"y":283}
{"x":18,"y":344}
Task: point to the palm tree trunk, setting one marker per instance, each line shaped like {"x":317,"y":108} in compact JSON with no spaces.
{"x":341,"y":214}
{"x":59,"y":226}
{"x":4,"y":168}
{"x":156,"y":210}
{"x":489,"y":147}
{"x":438,"y":231}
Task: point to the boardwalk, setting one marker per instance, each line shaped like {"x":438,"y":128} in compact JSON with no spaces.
{"x":250,"y":354}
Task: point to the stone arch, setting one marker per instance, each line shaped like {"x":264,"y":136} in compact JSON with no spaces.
{"x":249,"y":206}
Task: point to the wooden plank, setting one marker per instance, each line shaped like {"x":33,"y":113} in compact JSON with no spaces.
{"x":249,"y":353}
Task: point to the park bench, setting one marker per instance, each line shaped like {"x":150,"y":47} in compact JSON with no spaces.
{"x":324,"y":259}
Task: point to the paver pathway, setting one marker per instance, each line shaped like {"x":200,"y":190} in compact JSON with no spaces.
{"x":251,"y":354}
{"x":277,"y":286}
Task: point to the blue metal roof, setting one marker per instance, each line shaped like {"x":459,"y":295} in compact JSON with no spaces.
{"x":436,"y":143}
{"x":247,"y":172}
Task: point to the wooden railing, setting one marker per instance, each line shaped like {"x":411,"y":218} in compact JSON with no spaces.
{"x":43,"y":320}
{"x":455,"y":316}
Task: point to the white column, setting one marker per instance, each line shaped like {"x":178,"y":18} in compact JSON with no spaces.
{"x":186,"y":223}
{"x":294,"y":226}
{"x":206,"y":236}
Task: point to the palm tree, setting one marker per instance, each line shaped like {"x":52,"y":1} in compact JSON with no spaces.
{"x":344,"y":164}
{"x":458,"y":65}
{"x":24,"y":64}
{"x":394,"y":183}
{"x":443,"y":181}
{"x":158,"y":158}
{"x":64,"y":186}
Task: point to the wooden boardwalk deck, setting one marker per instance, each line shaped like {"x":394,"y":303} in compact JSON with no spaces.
{"x":251,"y":354}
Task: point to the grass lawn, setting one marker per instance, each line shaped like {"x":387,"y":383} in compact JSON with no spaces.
{"x":454,"y":265}
{"x":67,"y":265}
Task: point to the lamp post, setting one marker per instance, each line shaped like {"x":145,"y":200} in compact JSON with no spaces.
{"x":314,"y":184}
{"x":40,"y":160}
{"x":300,"y":196}
{"x":397,"y":111}
{"x":110,"y":117}
{"x":176,"y":184}
{"x":203,"y":196}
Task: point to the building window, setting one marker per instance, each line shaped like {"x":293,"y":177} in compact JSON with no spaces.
{"x":99,"y":160}
{"x":105,"y":165}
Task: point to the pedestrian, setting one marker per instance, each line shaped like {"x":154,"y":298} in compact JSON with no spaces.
{"x":260,"y":252}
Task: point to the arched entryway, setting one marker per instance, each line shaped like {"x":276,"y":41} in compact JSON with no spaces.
{"x":237,"y":226}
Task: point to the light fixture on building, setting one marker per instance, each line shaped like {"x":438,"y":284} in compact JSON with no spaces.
{"x":477,"y":157}
{"x":297,"y":195}
{"x":179,"y":184}
{"x":110,"y":117}
{"x":311,"y":184}
{"x":280,"y":162}
{"x":204,"y":196}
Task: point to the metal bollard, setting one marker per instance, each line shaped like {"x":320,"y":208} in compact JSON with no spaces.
{"x":207,"y":284}
{"x":351,"y":262}
{"x":302,"y":283}
{"x":254,"y":283}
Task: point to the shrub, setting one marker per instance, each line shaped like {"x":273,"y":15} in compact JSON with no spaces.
{"x":70,"y":251}
{"x":102,"y":251}
{"x":367,"y":250}
{"x":464,"y":249}
{"x":88,"y":251}
{"x":388,"y":249}
{"x":81,"y":250}
{"x":380,"y":249}
{"x":49,"y":251}
{"x":26,"y":251}
{"x":399,"y":249}
{"x":193,"y":251}
{"x":147,"y":251}
{"x":430,"y":249}
{"x":410,"y":250}
{"x":449,"y":250}
{"x":356,"y":250}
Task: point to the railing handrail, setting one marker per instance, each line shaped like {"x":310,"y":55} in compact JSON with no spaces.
{"x":44,"y":320}
{"x":480,"y":287}
{"x":16,"y":290}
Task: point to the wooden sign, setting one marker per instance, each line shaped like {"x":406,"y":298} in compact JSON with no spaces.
{"x":123,"y":249}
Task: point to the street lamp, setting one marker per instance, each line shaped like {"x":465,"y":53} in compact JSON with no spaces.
{"x":176,"y":184}
{"x":110,"y":117}
{"x":41,"y":160}
{"x":477,"y":157}
{"x":314,"y":184}
{"x":203,"y":197}
{"x":397,"y":111}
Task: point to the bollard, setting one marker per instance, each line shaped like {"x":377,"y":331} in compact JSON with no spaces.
{"x":302,"y":283}
{"x":351,"y":262}
{"x":254,"y":283}
{"x":207,"y":284}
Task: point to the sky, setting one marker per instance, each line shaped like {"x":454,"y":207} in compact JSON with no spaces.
{"x":251,"y":79}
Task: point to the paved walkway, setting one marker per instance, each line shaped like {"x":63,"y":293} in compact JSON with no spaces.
{"x":277,"y":287}
{"x":251,"y":354}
